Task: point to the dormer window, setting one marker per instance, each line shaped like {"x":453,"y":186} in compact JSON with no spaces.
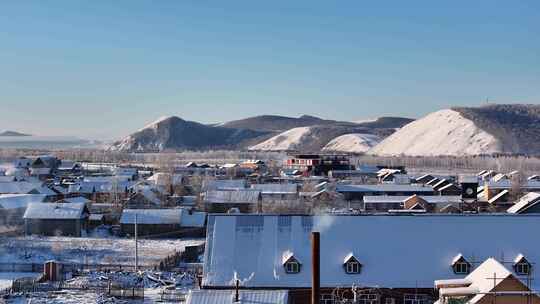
{"x":351,"y":264}
{"x":522,"y":266}
{"x":290,"y":263}
{"x":460,"y":265}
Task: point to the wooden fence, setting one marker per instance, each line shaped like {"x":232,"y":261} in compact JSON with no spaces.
{"x":173,"y":296}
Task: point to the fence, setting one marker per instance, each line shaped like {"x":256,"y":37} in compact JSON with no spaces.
{"x":26,"y":285}
{"x":173,"y":296}
{"x":37,"y":267}
{"x":132,"y":293}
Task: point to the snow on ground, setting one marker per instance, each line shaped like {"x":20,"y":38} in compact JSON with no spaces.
{"x":88,"y":250}
{"x":287,"y":140}
{"x":6,"y":278}
{"x":355,"y":142}
{"x":444,"y":132}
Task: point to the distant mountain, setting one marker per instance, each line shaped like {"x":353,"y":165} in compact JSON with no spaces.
{"x":13,"y":133}
{"x":492,"y":129}
{"x":275,"y":123}
{"x":174,"y":133}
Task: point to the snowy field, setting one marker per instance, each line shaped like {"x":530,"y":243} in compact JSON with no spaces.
{"x":7,"y":277}
{"x":88,"y":250}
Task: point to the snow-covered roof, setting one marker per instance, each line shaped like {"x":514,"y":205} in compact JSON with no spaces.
{"x":192,"y":218}
{"x":67,"y":165}
{"x":379,"y":188}
{"x":526,"y":201}
{"x":432,"y":199}
{"x":100,"y":187}
{"x":164,"y":179}
{"x":24,"y":188}
{"x":225,"y":184}
{"x":17,"y":201}
{"x":232,"y":196}
{"x":151,"y":216}
{"x":77,"y":199}
{"x":276,"y":188}
{"x":499,"y":196}
{"x":178,"y":216}
{"x":7,"y":179}
{"x":480,"y":280}
{"x":507,"y":184}
{"x":252,"y":247}
{"x":246,"y":297}
{"x":55,"y":211}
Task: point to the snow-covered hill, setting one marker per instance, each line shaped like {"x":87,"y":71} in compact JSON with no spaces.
{"x":288,"y":140}
{"x":445,"y":132}
{"x":354,"y":143}
{"x":174,"y":133}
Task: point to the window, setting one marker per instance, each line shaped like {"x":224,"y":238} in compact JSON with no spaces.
{"x":416,"y":299}
{"x":326,"y":299}
{"x":460,"y":265}
{"x":461,"y":268}
{"x":370,"y":298}
{"x":351,"y":264}
{"x":292,"y":267}
{"x":353,"y":267}
{"x":390,"y":301}
{"x":522,"y":266}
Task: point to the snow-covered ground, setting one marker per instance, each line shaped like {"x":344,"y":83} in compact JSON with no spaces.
{"x":444,"y":132}
{"x":88,"y":250}
{"x":89,"y":287}
{"x":356,"y":143}
{"x":6,"y":278}
{"x":287,"y":140}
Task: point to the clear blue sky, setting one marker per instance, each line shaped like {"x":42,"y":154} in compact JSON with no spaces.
{"x":102,"y":69}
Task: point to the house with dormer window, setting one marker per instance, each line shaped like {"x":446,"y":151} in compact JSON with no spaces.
{"x":389,"y":258}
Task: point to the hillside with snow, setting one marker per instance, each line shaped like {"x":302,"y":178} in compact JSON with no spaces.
{"x":352,"y":143}
{"x":489,"y":129}
{"x":174,"y":133}
{"x":288,"y":140}
{"x":444,"y":132}
{"x":315,"y":138}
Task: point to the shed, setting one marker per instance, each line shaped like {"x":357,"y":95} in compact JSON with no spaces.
{"x":224,"y":200}
{"x":69,"y":219}
{"x":163,"y":222}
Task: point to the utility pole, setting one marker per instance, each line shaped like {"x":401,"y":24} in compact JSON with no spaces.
{"x":136,"y":247}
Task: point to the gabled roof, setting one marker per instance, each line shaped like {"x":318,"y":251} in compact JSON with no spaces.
{"x":441,"y":183}
{"x":77,"y":199}
{"x":448,"y":187}
{"x":499,"y":196}
{"x":528,"y":200}
{"x":59,"y":211}
{"x":379,"y":188}
{"x":151,"y":216}
{"x":349,"y":257}
{"x":232,"y":196}
{"x":19,"y":201}
{"x":276,"y":188}
{"x":225,"y":184}
{"x":24,"y":188}
{"x":252,"y":246}
{"x":432,"y":199}
{"x":479,"y":281}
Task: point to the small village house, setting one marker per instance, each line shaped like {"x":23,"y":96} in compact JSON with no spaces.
{"x":221,"y":201}
{"x":67,"y":219}
{"x":178,"y":222}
